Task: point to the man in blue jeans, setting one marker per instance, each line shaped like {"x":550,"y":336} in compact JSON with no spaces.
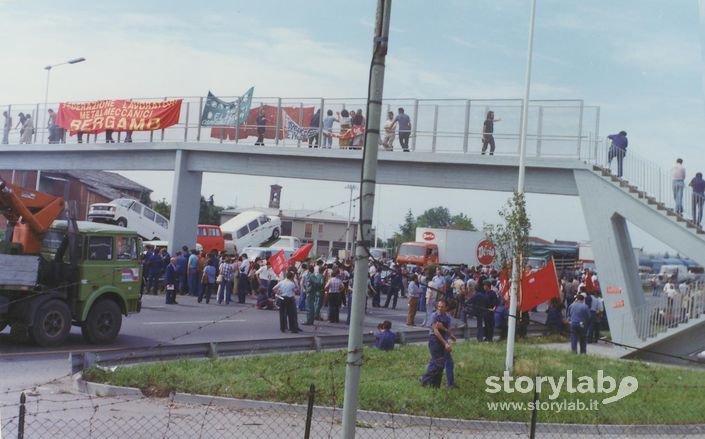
{"x":578,"y":316}
{"x":678,"y":179}
{"x":194,"y":282}
{"x":440,"y":349}
{"x":618,"y":150}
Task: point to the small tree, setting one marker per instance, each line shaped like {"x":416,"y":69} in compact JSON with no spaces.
{"x":511,"y":238}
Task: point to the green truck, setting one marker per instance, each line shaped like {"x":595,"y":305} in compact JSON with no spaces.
{"x":85,"y":274}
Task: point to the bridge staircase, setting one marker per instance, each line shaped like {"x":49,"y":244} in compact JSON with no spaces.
{"x":672,"y":325}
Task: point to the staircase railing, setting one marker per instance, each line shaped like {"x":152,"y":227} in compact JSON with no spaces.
{"x":647,"y":176}
{"x":661,"y":313}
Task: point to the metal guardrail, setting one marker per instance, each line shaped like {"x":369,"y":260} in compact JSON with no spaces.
{"x":665,"y":313}
{"x":650,"y":177}
{"x":84,"y":360}
{"x":556,"y":128}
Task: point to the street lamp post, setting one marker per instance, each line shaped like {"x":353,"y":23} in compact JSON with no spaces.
{"x":46,"y":90}
{"x":46,"y":103}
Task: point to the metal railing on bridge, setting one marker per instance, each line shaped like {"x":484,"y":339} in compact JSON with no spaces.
{"x":556,"y":128}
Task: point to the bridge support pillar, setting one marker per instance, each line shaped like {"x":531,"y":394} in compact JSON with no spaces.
{"x":617,"y":267}
{"x":185,"y":204}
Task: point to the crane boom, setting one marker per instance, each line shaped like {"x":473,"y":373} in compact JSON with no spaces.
{"x":29,"y":213}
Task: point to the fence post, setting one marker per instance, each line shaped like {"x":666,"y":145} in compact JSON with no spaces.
{"x":301,"y":124}
{"x":20,"y":421}
{"x":320,"y":124}
{"x":539,"y":133}
{"x":237,"y":121}
{"x":534,"y":413}
{"x":200,"y":112}
{"x":580,"y":126}
{"x":413,"y":128}
{"x":188,"y":107}
{"x":36,"y":124}
{"x":162,"y":134}
{"x":435,"y":128}
{"x":279,"y":121}
{"x":466,"y":131}
{"x":309,"y":411}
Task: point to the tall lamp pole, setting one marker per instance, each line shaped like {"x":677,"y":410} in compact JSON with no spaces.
{"x":46,"y":90}
{"x":46,"y":103}
{"x":511,"y":331}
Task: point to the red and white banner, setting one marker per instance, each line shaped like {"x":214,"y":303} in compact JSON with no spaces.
{"x":249,"y":128}
{"x":118,"y":115}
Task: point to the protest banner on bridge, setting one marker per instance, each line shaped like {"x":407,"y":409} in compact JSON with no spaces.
{"x":218,"y":113}
{"x":118,"y":115}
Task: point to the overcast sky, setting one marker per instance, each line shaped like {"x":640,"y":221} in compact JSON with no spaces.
{"x":640,"y":61}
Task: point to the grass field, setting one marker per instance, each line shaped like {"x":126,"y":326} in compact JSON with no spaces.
{"x":666,"y":395}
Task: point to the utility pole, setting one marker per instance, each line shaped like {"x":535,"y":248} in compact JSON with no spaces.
{"x":348,"y":252}
{"x":367,"y":200}
{"x":511,"y":331}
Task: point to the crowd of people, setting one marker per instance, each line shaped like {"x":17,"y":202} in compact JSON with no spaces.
{"x":350,"y":132}
{"x":437,"y":294}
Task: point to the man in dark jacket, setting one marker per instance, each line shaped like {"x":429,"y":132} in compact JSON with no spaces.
{"x":618,"y":149}
{"x":170,"y":280}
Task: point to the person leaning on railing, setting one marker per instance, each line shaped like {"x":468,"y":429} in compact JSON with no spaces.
{"x":698,"y":185}
{"x":618,"y":149}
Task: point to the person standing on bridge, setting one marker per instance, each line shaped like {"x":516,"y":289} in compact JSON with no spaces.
{"x":698,"y":185}
{"x":261,"y":127}
{"x":488,"y":132}
{"x":618,"y":149}
{"x":6,"y":127}
{"x":404,"y":123}
{"x":678,"y":178}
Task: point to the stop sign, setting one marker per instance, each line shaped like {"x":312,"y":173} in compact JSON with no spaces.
{"x":485,"y":252}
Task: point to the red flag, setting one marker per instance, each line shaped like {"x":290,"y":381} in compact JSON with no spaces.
{"x":301,"y":253}
{"x":278,"y":262}
{"x":539,"y":286}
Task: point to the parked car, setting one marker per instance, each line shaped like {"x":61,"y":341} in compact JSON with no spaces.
{"x":287,"y":242}
{"x":132,"y":214}
{"x":265,"y":252}
{"x":249,"y":229}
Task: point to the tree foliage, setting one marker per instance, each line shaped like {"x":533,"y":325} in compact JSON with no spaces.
{"x":163,"y":208}
{"x":209,"y":212}
{"x":511,"y":238}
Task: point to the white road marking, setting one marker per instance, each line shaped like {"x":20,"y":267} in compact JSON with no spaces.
{"x":195,"y":322}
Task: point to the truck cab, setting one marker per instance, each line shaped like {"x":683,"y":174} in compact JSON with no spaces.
{"x":92,"y":285}
{"x":418,"y":253}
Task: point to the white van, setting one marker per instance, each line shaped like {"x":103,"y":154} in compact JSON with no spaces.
{"x":126,"y":212}
{"x":249,"y":229}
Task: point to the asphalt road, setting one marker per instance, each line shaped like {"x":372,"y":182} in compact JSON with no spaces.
{"x":192,"y":322}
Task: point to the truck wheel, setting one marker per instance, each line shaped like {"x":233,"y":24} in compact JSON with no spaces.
{"x":275,"y":234}
{"x":122,"y":222}
{"x":52,"y":323}
{"x":103,"y":322}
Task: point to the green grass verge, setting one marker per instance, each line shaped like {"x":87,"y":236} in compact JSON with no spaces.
{"x":389,"y":383}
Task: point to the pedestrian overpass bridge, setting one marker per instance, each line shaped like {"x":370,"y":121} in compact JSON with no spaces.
{"x":608,"y":203}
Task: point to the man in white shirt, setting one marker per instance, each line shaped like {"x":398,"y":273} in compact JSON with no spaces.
{"x":678,"y":178}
